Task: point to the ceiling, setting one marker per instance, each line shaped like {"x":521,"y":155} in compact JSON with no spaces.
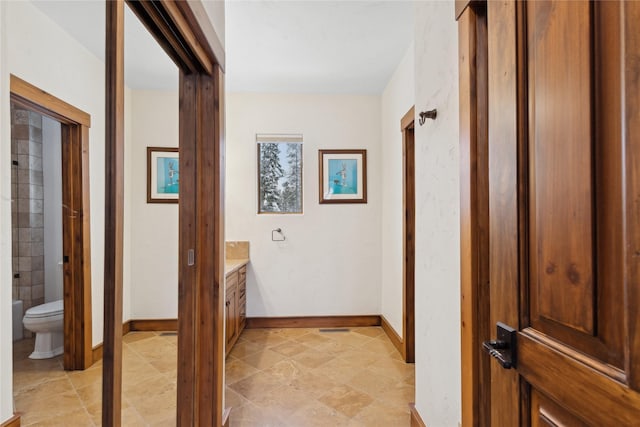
{"x":298,"y":46}
{"x":315,"y":46}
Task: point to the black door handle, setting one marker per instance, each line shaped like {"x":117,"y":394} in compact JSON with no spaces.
{"x":503,"y":349}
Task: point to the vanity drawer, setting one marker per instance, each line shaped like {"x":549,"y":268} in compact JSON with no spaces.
{"x":242,"y":274}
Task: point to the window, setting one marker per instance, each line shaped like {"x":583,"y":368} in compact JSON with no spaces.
{"x":279,"y":174}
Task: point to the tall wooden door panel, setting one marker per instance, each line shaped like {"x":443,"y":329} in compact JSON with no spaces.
{"x":563,"y":199}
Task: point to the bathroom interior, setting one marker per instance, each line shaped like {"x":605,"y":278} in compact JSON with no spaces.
{"x":150,"y":234}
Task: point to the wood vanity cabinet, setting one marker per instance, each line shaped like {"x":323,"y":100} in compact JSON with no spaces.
{"x":235,"y":305}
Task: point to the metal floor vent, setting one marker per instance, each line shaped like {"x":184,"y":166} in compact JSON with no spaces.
{"x":168,"y":334}
{"x":335,"y":330}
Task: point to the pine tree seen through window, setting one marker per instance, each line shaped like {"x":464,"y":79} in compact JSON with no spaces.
{"x":279,"y":173}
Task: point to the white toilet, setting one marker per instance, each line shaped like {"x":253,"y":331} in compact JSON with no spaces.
{"x":46,"y":321}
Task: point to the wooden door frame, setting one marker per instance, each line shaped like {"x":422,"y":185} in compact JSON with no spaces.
{"x":474,"y":212}
{"x":184,"y":31}
{"x":408,"y":235}
{"x":76,"y":228}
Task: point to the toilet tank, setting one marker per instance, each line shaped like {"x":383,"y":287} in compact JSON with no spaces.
{"x":16,"y":311}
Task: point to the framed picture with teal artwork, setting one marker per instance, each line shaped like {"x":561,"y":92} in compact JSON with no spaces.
{"x":163,"y":175}
{"x":343,"y":176}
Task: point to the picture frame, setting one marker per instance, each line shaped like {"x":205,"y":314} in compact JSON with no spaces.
{"x":342,"y":176}
{"x":163,"y":175}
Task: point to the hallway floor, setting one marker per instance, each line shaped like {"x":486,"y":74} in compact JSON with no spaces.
{"x":274,"y":377}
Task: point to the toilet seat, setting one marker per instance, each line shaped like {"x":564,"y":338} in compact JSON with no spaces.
{"x":50,"y":309}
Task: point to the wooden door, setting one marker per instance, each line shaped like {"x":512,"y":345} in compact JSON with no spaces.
{"x":564,"y":204}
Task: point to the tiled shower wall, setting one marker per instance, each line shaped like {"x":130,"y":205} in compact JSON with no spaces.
{"x":27,"y":213}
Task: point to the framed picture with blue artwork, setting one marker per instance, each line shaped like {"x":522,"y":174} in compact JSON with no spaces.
{"x":343,"y":176}
{"x":163,"y":175}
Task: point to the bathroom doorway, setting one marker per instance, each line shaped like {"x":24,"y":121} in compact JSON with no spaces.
{"x":31,"y":107}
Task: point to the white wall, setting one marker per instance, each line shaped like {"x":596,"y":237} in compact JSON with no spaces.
{"x":154,"y":226}
{"x":329,"y":264}
{"x":128,"y":190}
{"x":437,"y":216}
{"x":397,"y":99}
{"x":52,"y":177}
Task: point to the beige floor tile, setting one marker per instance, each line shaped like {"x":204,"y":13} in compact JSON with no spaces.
{"x":286,"y":370}
{"x":290,"y":348}
{"x":244,"y":349}
{"x":312,"y":339}
{"x":256,"y":385}
{"x":283,"y":400}
{"x":312,"y":384}
{"x":374,"y":331}
{"x":250,"y":415}
{"x":76,"y":418}
{"x":339,"y":370}
{"x":137,"y":336}
{"x":346,"y":400}
{"x":392,"y":368}
{"x":382,"y":415}
{"x":233,"y":399}
{"x":317,"y":414}
{"x":371,"y":384}
{"x":313,"y":358}
{"x":237,"y":370}
{"x":351,"y":339}
{"x":275,"y":377}
{"x":264,"y":359}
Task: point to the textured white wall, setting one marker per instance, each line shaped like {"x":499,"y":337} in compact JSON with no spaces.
{"x":397,"y":99}
{"x":52,"y":177}
{"x":154,"y":226}
{"x":437,"y":216}
{"x":330,"y":262}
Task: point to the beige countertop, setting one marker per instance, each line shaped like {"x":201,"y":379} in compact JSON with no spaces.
{"x":231,"y":265}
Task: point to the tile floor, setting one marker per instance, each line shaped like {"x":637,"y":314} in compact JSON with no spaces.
{"x":275,"y":377}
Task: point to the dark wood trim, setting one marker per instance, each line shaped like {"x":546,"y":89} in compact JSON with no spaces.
{"x":408,"y":235}
{"x":126,"y":327}
{"x":114,"y":215}
{"x":183,"y":31}
{"x":156,"y":325}
{"x":313,"y":322}
{"x":393,"y":335}
{"x":416,"y":419}
{"x":474,"y":219}
{"x":96,"y":353}
{"x":44,"y":103}
{"x":461,"y":6}
{"x":76,"y":229}
{"x":197,"y":20}
{"x":12,"y":422}
{"x":632,"y":184}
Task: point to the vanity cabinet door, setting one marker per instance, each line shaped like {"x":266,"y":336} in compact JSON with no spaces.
{"x":231,"y":310}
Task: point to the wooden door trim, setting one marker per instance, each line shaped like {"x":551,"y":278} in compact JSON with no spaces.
{"x":631,"y":144}
{"x":474,"y":219}
{"x":186,"y":35}
{"x":408,"y":235}
{"x":76,"y":236}
{"x":114,"y":215}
